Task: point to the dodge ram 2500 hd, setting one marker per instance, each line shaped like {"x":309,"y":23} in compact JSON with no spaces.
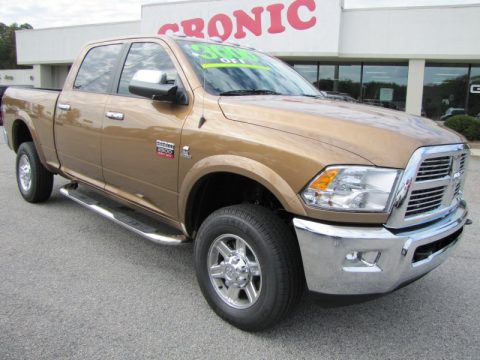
{"x":187,"y":140}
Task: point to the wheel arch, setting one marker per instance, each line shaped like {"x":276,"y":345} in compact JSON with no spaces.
{"x":239,"y":168}
{"x":23,"y":130}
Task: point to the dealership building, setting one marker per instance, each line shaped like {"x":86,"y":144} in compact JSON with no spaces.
{"x":421,"y":59}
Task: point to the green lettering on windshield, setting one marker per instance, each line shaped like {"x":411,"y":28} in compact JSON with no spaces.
{"x":243,"y":66}
{"x":204,"y":51}
{"x":217,"y":52}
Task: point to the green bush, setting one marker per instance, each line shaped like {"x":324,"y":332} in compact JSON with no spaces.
{"x":466,"y":125}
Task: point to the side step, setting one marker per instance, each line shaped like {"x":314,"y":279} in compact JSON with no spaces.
{"x":124,"y":216}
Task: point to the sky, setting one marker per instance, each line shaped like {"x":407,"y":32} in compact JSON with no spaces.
{"x":54,"y":13}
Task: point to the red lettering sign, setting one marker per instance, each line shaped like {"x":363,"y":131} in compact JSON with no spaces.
{"x":226,"y":24}
{"x":276,"y":26}
{"x":168,"y":27}
{"x":244,"y":23}
{"x":294,"y":17}
{"x":194,"y":27}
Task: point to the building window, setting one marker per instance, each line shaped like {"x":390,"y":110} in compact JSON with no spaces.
{"x":445,"y":90}
{"x":474,"y":92}
{"x":385,"y":85}
{"x":341,"y":81}
{"x":375,"y":84}
{"x":308,"y":71}
{"x":327,"y":78}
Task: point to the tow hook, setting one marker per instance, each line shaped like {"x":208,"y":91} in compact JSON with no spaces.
{"x":469,"y":222}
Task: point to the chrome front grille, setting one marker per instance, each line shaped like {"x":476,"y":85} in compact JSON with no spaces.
{"x":463,"y":161}
{"x":425,"y":200}
{"x":435,"y":168}
{"x":458,"y":189}
{"x":431,"y":186}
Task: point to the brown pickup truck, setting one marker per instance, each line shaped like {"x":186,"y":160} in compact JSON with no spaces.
{"x":183,"y":140}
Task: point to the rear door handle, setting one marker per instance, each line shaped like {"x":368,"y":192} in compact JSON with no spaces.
{"x":114,"y":115}
{"x":64,"y":107}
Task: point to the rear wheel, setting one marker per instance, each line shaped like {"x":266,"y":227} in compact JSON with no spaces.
{"x":248,"y":266}
{"x":34,"y":181}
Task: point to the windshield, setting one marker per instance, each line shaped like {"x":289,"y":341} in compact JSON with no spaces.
{"x":234,"y":71}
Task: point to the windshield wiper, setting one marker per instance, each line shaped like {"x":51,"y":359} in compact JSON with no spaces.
{"x":313,"y":96}
{"x":245,"y":92}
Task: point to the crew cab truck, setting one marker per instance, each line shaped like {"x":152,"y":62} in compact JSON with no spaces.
{"x":187,"y":140}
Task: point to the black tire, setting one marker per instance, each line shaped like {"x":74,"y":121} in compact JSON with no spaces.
{"x":273,"y":243}
{"x":41,"y":180}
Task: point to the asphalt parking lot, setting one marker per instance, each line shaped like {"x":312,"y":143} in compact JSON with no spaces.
{"x":76,"y":286}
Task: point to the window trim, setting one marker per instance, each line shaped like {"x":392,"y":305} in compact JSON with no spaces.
{"x":119,"y":69}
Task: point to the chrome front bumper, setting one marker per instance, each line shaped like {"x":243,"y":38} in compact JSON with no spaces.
{"x":347,"y":260}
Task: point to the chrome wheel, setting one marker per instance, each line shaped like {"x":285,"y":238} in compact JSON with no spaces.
{"x":234,"y":271}
{"x":25,"y":173}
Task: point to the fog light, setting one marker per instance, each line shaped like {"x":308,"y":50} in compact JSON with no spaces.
{"x":370,"y":258}
{"x":362,"y":261}
{"x":352,"y":256}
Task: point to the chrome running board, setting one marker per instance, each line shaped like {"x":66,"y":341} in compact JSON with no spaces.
{"x":128,"y":218}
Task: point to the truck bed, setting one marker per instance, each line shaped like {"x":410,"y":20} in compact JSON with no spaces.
{"x":36,"y":107}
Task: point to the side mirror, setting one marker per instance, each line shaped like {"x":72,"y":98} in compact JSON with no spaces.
{"x":152,"y":84}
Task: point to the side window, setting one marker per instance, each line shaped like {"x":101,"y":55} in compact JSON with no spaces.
{"x":145,"y":56}
{"x":97,"y":69}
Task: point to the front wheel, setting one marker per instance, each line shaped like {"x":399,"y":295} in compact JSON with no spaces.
{"x":248,"y":266}
{"x":34,"y":181}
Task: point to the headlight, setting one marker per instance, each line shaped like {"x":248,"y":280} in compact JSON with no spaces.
{"x":352,"y":188}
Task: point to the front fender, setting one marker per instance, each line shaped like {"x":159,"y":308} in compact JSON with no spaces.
{"x":248,"y":168}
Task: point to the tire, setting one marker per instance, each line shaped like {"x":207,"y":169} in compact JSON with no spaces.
{"x":34,"y":181}
{"x":248,"y":266}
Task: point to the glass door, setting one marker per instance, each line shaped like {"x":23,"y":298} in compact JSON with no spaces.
{"x":474,"y":92}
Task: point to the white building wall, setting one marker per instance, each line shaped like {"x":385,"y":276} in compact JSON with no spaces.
{"x":62,"y":45}
{"x":416,"y":74}
{"x":50,"y":76}
{"x":321,"y":39}
{"x":17,"y":77}
{"x":441,"y":33}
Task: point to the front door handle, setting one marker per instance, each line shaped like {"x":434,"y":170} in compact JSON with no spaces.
{"x":114,"y":115}
{"x":64,"y":107}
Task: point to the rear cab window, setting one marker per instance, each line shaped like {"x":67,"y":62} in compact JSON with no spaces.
{"x":97,"y":69}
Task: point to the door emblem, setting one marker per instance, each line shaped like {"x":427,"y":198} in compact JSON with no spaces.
{"x":165,"y":149}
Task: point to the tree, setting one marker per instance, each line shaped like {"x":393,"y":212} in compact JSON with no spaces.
{"x":8,"y":49}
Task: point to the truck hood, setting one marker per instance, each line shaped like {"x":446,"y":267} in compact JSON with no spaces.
{"x":383,"y":137}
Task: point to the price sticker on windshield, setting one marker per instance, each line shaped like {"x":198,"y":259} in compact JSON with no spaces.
{"x":219,"y":56}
